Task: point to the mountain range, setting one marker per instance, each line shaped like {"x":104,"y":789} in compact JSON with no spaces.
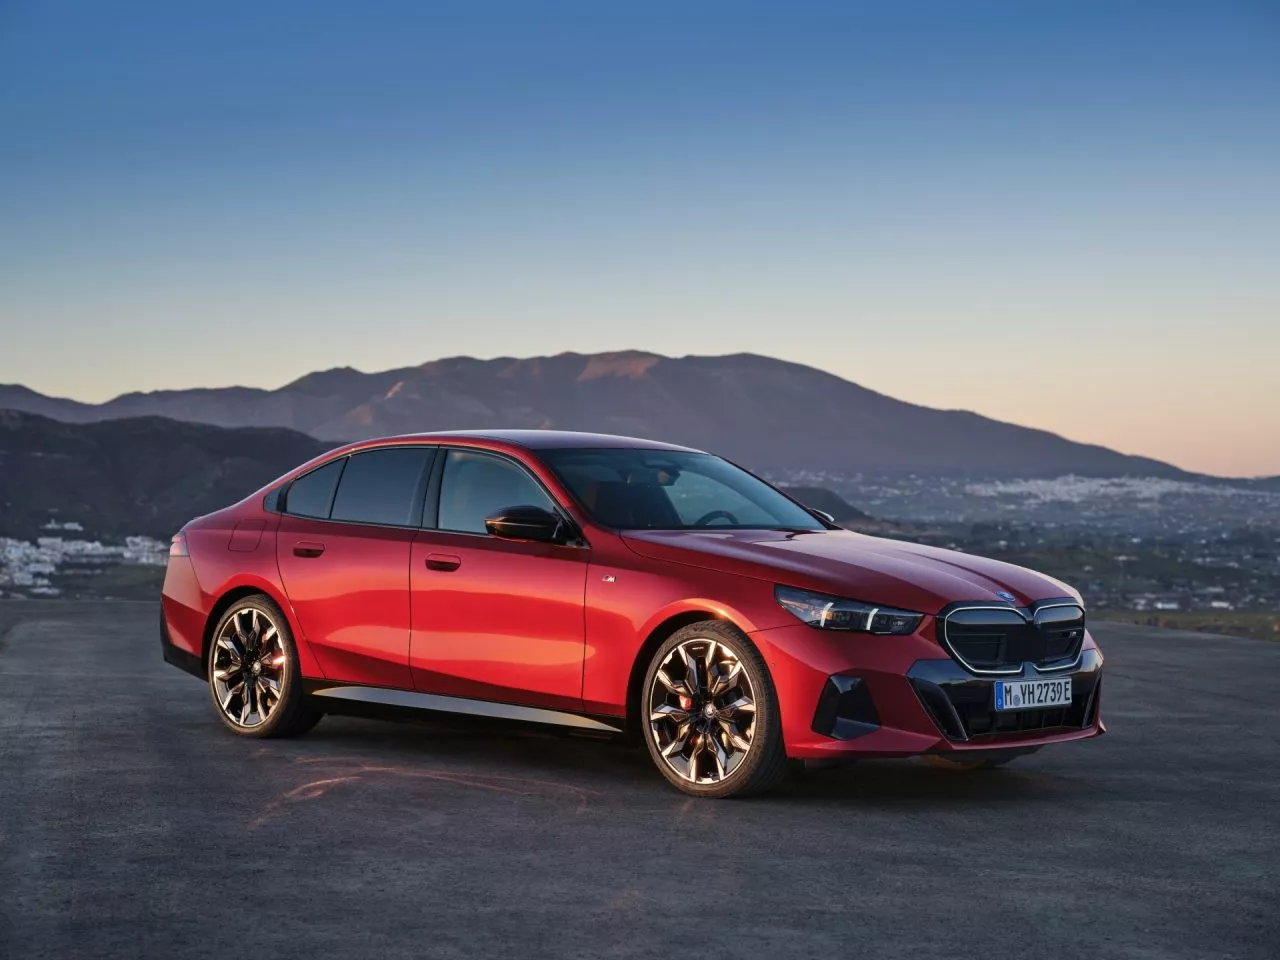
{"x":144,"y":475}
{"x":768,"y":414}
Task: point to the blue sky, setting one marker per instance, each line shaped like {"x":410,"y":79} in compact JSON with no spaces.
{"x":1060,"y":214}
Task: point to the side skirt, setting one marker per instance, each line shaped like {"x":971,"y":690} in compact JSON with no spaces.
{"x":376,"y":701}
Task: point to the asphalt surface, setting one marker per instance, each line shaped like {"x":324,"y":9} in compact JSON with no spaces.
{"x":131,"y":824}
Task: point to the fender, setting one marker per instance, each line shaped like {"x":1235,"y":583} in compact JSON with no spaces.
{"x":242,"y":582}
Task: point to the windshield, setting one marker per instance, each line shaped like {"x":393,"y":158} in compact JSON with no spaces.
{"x":630,"y":489}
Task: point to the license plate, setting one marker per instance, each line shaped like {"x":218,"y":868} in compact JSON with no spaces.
{"x":1032,"y":694}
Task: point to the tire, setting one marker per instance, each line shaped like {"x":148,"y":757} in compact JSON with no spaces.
{"x":727,"y":744}
{"x":253,"y":640}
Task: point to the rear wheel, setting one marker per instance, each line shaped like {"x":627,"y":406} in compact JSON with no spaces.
{"x":710,"y":713}
{"x":254,"y":678}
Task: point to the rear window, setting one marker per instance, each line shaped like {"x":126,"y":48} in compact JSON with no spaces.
{"x":384,"y":487}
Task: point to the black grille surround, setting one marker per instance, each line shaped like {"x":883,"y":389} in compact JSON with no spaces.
{"x":962,"y":705}
{"x":994,"y":639}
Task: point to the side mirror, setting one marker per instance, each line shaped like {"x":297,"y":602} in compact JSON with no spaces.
{"x":525,"y":523}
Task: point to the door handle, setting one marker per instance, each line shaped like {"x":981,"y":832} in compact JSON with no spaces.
{"x":308,"y":549}
{"x":443,"y":562}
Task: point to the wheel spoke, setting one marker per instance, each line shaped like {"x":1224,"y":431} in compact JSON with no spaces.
{"x":667,"y":711}
{"x":726,"y":680}
{"x":690,"y":671}
{"x":677,"y":744}
{"x":270,"y":638}
{"x":227,"y":642}
{"x":691,"y":771}
{"x":664,"y":678}
{"x":225,"y":674}
{"x":721,"y":757}
{"x":736,"y":739}
{"x":246,"y":699}
{"x":708,"y":675}
{"x":743,"y":704}
{"x":267,"y":697}
{"x":228,"y":697}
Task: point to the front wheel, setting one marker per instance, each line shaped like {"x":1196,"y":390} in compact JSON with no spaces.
{"x":710,"y":713}
{"x":254,"y":677}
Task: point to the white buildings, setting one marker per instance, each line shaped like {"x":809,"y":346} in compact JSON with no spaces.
{"x":28,"y":568}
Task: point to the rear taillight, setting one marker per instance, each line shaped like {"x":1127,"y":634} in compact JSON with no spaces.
{"x":178,"y":546}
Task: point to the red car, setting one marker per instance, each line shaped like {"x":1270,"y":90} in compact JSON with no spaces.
{"x":615,"y":585}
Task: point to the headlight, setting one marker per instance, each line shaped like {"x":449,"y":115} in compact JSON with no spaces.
{"x":837,"y":613}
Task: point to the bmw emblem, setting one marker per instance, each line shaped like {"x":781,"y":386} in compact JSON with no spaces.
{"x":1005,"y":595}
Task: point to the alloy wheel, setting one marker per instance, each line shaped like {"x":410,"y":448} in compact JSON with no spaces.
{"x":702,"y":711}
{"x":249,"y":665}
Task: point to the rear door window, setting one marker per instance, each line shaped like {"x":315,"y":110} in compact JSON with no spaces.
{"x":384,"y":486}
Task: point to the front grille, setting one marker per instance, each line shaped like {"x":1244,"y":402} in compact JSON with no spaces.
{"x":990,"y":639}
{"x":962,"y":705}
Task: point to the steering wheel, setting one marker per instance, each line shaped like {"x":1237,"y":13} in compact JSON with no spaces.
{"x":706,"y":518}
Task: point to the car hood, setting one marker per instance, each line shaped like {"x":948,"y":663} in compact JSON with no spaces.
{"x":871,"y":569}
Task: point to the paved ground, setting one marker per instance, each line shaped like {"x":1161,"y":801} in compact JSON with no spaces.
{"x":132,"y":825}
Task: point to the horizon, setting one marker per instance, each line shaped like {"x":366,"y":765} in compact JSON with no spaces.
{"x":927,"y":202}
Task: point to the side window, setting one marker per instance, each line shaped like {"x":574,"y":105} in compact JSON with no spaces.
{"x":311,"y":494}
{"x":476,"y":485}
{"x":383,"y":486}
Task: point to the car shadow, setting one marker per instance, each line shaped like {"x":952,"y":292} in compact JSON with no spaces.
{"x":511,"y":755}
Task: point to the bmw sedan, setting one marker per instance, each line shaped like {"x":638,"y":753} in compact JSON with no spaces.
{"x":616,"y":586}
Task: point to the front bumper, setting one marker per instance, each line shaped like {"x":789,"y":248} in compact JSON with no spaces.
{"x":864,"y":696}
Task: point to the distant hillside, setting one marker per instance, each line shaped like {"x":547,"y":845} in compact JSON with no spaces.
{"x":766,"y":414}
{"x":135,"y":476}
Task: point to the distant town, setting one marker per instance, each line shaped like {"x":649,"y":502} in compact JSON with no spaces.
{"x":63,"y":562}
{"x":1164,"y":552}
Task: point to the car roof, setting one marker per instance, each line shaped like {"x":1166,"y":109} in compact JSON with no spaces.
{"x":548,"y":439}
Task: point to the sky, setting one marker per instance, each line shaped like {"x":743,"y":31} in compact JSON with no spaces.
{"x":1060,"y":214}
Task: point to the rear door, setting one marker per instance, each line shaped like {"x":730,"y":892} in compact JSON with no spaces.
{"x":494,"y":619}
{"x":344,"y":547}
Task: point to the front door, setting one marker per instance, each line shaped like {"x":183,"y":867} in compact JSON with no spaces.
{"x":344,"y":546}
{"x":495,"y":619}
